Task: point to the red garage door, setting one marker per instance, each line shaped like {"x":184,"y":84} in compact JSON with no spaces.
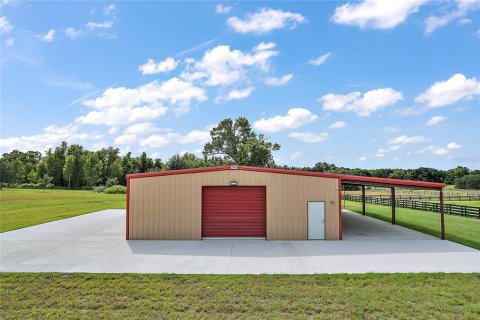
{"x":233,"y":212}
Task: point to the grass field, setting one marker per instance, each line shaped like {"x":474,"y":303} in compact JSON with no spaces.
{"x":368,"y":296}
{"x":458,"y":229}
{"x":21,"y":208}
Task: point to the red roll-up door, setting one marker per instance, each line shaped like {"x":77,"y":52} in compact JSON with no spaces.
{"x":234,"y":212}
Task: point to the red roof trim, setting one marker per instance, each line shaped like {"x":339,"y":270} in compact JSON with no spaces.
{"x":345,"y":178}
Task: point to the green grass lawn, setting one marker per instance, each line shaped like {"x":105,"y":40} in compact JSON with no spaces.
{"x":458,"y":229}
{"x":21,"y":208}
{"x":114,"y":296}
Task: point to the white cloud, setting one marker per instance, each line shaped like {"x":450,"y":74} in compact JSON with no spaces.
{"x":371,"y":101}
{"x":236,"y":94}
{"x":403,"y":139}
{"x":435,"y":120}
{"x":477,"y":34}
{"x":295,"y":118}
{"x":5,"y":26}
{"x":141,"y":128}
{"x":464,"y":21}
{"x":295,"y":155}
{"x":72,"y":33}
{"x":51,"y":136}
{"x":381,"y":152}
{"x":279,"y":81}
{"x":440,"y":151}
{"x":308,"y":136}
{"x":361,"y":159}
{"x":265,"y":20}
{"x":410,"y":111}
{"x":455,"y":89}
{"x":320,"y":60}
{"x":376,"y":14}
{"x":91,"y":25}
{"x":151,"y":67}
{"x":109,"y":9}
{"x":49,"y":36}
{"x":221,"y":9}
{"x":391,"y":129}
{"x":463,"y":7}
{"x":135,"y":136}
{"x":197,"y":136}
{"x":122,"y":106}
{"x":338,"y":125}
{"x":221,"y":66}
{"x":10,"y":42}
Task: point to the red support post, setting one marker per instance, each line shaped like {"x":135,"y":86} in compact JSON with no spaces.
{"x":393,"y":205}
{"x":442,"y":215}
{"x":363,"y":200}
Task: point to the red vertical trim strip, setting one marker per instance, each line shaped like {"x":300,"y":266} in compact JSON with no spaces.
{"x":128,"y":209}
{"x":340,"y":231}
{"x":442,"y":215}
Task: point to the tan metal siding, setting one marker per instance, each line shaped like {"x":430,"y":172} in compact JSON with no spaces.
{"x":169,"y":207}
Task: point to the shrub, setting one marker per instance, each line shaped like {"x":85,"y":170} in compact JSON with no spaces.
{"x":111,"y":182}
{"x":471,"y":181}
{"x":30,"y":186}
{"x":99,"y":189}
{"x":116,"y":189}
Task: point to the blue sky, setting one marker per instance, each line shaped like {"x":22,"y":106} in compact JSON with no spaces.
{"x":360,"y":84}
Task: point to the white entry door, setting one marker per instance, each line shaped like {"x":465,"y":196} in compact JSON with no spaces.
{"x":316,"y":220}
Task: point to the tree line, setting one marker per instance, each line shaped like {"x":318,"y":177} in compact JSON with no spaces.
{"x":232,"y":142}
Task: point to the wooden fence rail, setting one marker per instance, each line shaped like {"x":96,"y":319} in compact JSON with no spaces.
{"x":435,"y":198}
{"x":466,"y":211}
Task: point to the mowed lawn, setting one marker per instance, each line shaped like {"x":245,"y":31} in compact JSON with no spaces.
{"x":21,"y":208}
{"x":459,"y":229}
{"x":115,"y":296}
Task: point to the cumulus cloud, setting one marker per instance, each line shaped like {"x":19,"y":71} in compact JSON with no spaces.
{"x":462,"y":8}
{"x":91,"y":25}
{"x":141,"y":128}
{"x":295,"y":118}
{"x":361,"y":159}
{"x":72,"y":33}
{"x":338,"y":125}
{"x":308,"y":136}
{"x":440,"y":151}
{"x":51,"y":136}
{"x":433,"y":121}
{"x":265,"y":20}
{"x":403,"y":139}
{"x":382,"y":151}
{"x":363,"y":105}
{"x":320,"y":60}
{"x":376,"y":14}
{"x":152,"y":67}
{"x":221,"y":9}
{"x":221,"y":66}
{"x":49,"y":36}
{"x":5,"y":26}
{"x":455,"y":89}
{"x":236,"y":94}
{"x":107,"y":10}
{"x":122,"y":106}
{"x":279,"y":81}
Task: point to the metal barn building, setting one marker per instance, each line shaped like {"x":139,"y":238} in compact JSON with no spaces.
{"x":240,"y":201}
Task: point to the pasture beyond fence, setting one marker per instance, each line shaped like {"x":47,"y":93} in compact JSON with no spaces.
{"x":466,"y":211}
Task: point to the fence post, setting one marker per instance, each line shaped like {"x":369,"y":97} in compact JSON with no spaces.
{"x":393,"y":205}
{"x":363,"y":200}
{"x":442,"y":215}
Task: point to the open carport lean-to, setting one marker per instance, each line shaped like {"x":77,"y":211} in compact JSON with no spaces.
{"x":392,"y":184}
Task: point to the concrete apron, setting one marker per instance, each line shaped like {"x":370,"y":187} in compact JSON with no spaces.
{"x":96,"y":243}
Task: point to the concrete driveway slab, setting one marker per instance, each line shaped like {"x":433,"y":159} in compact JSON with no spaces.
{"x":95,"y":243}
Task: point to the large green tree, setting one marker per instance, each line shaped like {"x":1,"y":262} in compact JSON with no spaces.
{"x":235,"y":142}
